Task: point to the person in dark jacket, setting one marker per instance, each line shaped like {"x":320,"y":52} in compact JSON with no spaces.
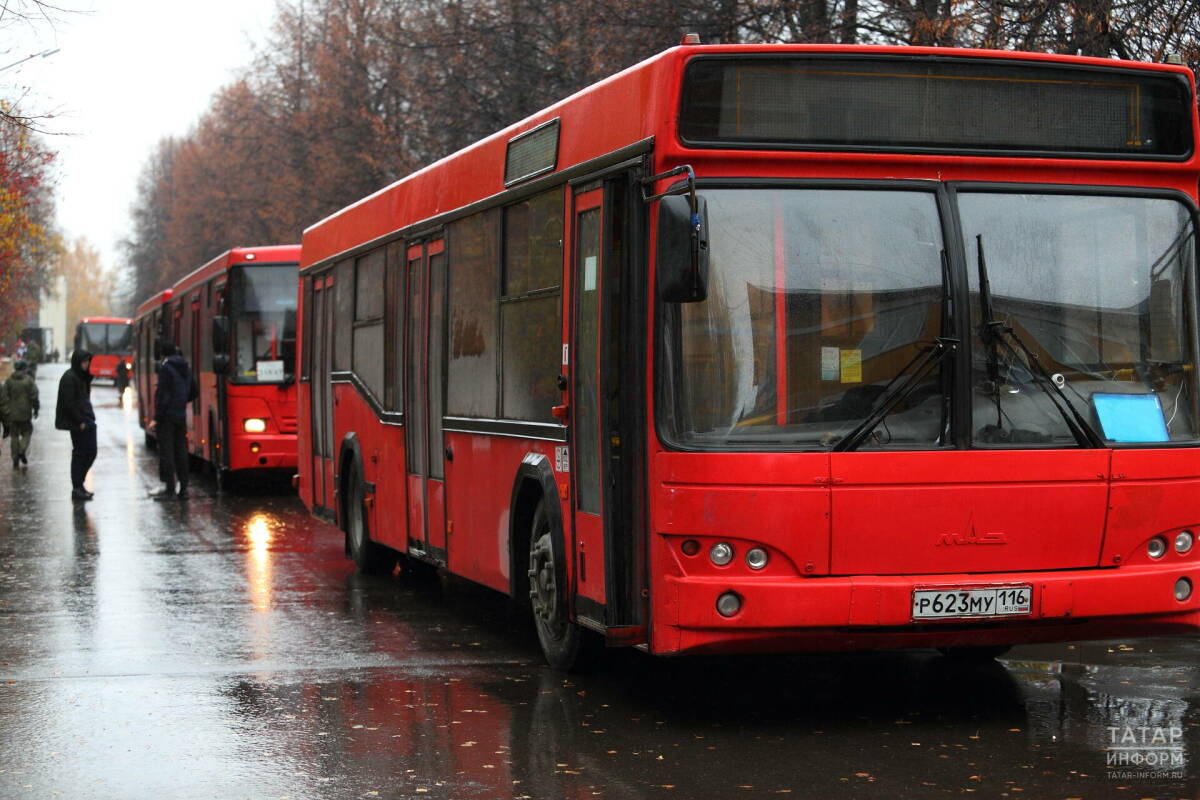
{"x":176,"y":388}
{"x":21,"y":408}
{"x":74,"y":413}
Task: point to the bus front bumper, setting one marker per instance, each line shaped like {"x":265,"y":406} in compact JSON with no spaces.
{"x":262,"y":451}
{"x":876,"y":612}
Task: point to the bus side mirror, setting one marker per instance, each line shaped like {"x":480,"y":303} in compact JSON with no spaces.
{"x":220,"y":335}
{"x":220,"y":363}
{"x":682,"y":270}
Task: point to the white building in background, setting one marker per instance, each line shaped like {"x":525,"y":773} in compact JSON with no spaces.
{"x":53,"y":315}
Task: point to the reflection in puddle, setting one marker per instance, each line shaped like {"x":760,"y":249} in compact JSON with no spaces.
{"x":258,"y":532}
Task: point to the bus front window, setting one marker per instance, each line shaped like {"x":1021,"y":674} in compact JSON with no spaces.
{"x":817,"y":300}
{"x":93,"y":337}
{"x":263,"y":318}
{"x":120,"y":338}
{"x":1098,"y":288}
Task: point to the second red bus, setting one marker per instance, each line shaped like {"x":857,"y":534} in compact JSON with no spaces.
{"x":234,"y":319}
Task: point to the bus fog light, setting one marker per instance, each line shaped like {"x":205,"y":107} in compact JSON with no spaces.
{"x":255,"y":447}
{"x":1156,"y":547}
{"x":1183,"y":542}
{"x":721,"y":554}
{"x":254,"y":425}
{"x":756,"y":558}
{"x":1183,"y":590}
{"x":729,"y":604}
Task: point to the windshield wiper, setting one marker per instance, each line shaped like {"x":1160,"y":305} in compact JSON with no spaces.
{"x":922,"y":364}
{"x":994,"y":332}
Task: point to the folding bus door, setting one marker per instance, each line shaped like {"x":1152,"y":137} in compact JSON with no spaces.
{"x":606,"y":553}
{"x":425,"y":340}
{"x":321,"y":316}
{"x":196,"y":424}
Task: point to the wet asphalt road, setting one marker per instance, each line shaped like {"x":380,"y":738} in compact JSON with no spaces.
{"x":224,"y":648}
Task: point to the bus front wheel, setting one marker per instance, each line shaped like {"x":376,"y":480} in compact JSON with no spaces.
{"x":561,"y":639}
{"x":370,"y":558}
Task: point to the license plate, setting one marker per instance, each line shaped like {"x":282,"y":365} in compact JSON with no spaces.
{"x":975,"y":602}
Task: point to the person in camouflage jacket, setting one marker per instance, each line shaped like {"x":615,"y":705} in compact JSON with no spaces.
{"x":21,"y":408}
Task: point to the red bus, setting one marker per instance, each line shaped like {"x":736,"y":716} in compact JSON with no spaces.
{"x":108,"y":339}
{"x":804,"y":347}
{"x":235,"y":321}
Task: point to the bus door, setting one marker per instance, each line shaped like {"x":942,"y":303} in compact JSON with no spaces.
{"x":196,"y":424}
{"x":321,"y":400}
{"x":424,"y":399}
{"x":607,"y":589}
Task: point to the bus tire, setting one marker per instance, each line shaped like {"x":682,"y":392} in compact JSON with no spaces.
{"x":982,"y":653}
{"x":369,"y":557}
{"x":562,"y":641}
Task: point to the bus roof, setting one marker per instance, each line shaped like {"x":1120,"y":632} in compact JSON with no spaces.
{"x":152,"y":303}
{"x":477,"y":173}
{"x":105,"y":320}
{"x":263,"y":254}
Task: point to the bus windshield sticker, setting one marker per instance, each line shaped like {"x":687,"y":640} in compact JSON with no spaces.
{"x":851,"y":366}
{"x":270,"y":370}
{"x":830,"y":361}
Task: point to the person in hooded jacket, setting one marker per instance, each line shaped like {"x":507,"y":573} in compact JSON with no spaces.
{"x":21,"y":408}
{"x":176,"y":388}
{"x":74,"y":413}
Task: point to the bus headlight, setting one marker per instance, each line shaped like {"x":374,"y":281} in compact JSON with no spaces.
{"x":721,"y":554}
{"x":1156,"y":547}
{"x":756,"y":558}
{"x":1183,"y":542}
{"x":254,"y":425}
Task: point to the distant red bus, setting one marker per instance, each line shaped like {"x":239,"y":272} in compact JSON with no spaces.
{"x":802,"y":347}
{"x":234,"y":319}
{"x":108,"y":339}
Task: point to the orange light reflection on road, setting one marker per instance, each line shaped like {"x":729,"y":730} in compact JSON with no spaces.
{"x":259,"y":531}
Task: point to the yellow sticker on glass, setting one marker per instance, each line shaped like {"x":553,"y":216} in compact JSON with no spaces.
{"x":851,"y":366}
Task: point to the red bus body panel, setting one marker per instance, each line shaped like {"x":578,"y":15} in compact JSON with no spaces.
{"x":850,"y":535}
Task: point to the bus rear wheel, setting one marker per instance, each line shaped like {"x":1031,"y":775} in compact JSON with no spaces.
{"x":370,"y":558}
{"x":561,"y":639}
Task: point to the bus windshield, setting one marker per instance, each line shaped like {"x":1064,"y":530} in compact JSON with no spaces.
{"x":104,"y":338}
{"x":263,"y":319}
{"x":1098,"y":288}
{"x":821,"y":301}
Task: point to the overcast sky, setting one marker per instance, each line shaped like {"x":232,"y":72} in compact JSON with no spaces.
{"x":128,"y":73}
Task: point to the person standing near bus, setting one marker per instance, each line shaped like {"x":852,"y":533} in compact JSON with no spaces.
{"x":176,"y":388}
{"x":21,"y":408}
{"x":33,"y":357}
{"x":74,"y":413}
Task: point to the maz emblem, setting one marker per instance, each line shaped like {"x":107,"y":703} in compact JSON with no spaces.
{"x":971,"y":536}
